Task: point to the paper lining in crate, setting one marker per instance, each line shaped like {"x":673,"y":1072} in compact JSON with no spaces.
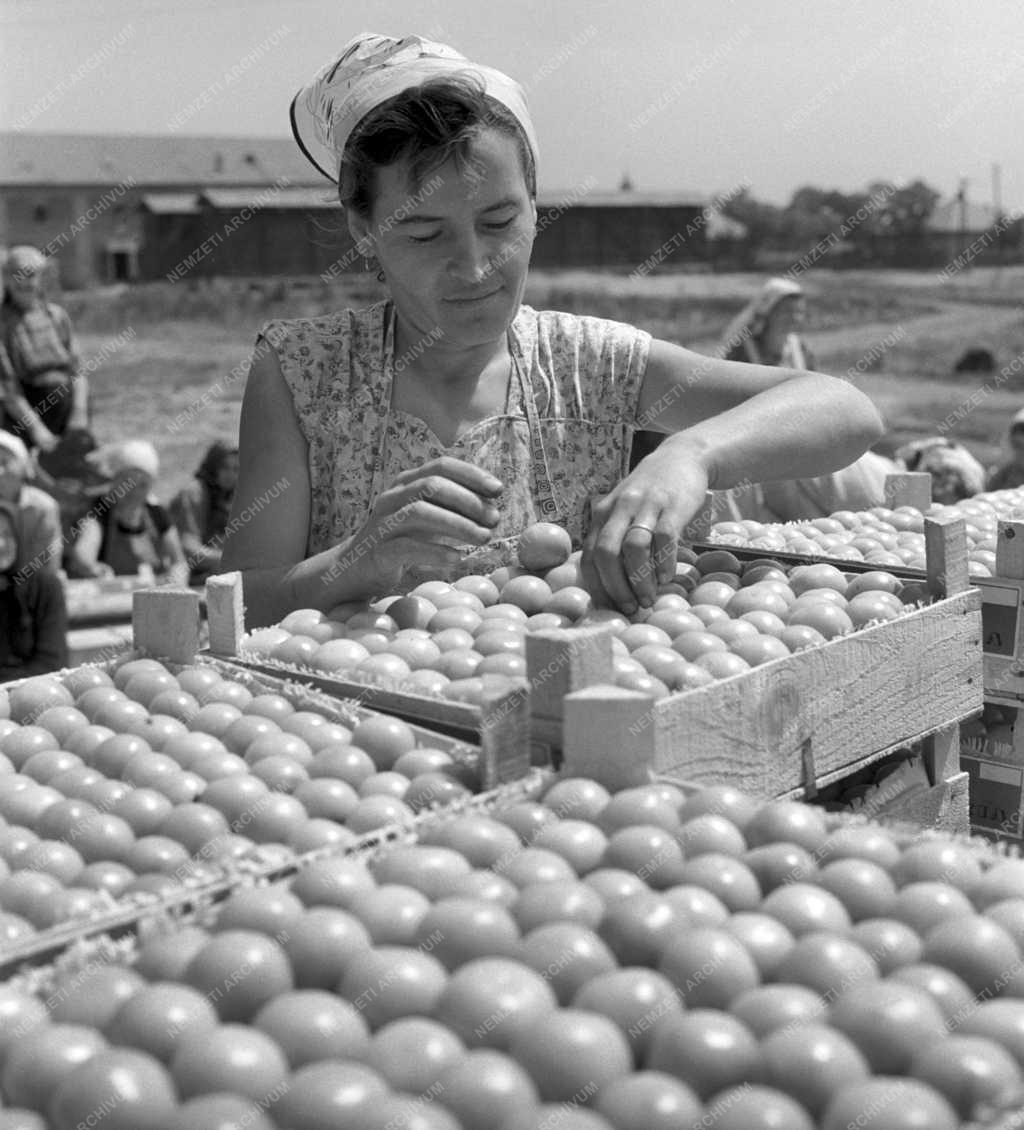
{"x":220,"y":859}
{"x":56,"y":979}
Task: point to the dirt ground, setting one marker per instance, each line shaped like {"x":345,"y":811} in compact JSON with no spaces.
{"x":168,"y":362}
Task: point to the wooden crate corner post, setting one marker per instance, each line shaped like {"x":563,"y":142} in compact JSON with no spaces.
{"x":225,"y":614}
{"x":1010,"y":547}
{"x":948,"y":574}
{"x":559,"y":662}
{"x":166,"y":623}
{"x":505,"y":735}
{"x":609,"y":736}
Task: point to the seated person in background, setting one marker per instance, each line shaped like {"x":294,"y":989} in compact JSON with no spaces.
{"x":200,"y":511}
{"x":764,"y":332}
{"x":955,"y":473}
{"x":127,"y":532}
{"x":36,"y":514}
{"x":1011,"y":472}
{"x":33,"y":614}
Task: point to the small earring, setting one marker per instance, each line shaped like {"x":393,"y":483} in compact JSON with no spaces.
{"x":380,"y":277}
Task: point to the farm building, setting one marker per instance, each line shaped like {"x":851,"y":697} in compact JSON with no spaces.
{"x":123,"y":208}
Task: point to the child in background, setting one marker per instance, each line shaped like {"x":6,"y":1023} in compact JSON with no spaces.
{"x":1010,"y":473}
{"x":201,"y":510}
{"x":33,"y":614}
{"x":127,"y":531}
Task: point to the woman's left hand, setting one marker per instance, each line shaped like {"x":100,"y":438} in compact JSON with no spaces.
{"x":633,"y":540}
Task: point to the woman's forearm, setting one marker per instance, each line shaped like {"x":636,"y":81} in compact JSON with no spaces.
{"x":344,"y":573}
{"x":808,"y":425}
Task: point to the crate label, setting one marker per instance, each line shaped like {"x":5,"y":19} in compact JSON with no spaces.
{"x":996,"y":797}
{"x":998,"y":628}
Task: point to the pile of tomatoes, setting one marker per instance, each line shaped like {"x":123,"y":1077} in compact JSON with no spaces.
{"x":650,"y":960}
{"x":128,"y":785}
{"x":880,"y":536}
{"x":720,"y":617}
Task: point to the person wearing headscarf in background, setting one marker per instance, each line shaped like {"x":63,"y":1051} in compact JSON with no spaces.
{"x":127,"y":532}
{"x":421,"y":436}
{"x":764,"y":332}
{"x":1010,"y":473}
{"x":33,"y":612}
{"x":37,"y":515}
{"x":201,"y":510}
{"x":45,"y":394}
{"x":955,"y":473}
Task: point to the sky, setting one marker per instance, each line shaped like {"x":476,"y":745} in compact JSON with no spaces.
{"x":685,"y":95}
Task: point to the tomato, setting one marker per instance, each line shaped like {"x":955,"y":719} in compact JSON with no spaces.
{"x":271,"y":910}
{"x":385,"y":739}
{"x":698,"y":907}
{"x":999,"y":1020}
{"x":20,"y":1014}
{"x":778,"y":864}
{"x":765,"y":939}
{"x":568,"y":955}
{"x":979,"y":951}
{"x":323,"y":1096}
{"x":531,"y":594}
{"x":828,"y":963}
{"x":1009,"y":913}
{"x":727,"y":878}
{"x":457,"y":930}
{"x":711,"y":833}
{"x":860,"y":842}
{"x":936,"y":861}
{"x":635,"y":998}
{"x":157,"y":853}
{"x":924,"y":905}
{"x":708,"y":967}
{"x":230,"y":1057}
{"x":158,"y":1017}
{"x":242,"y":970}
{"x":559,"y":901}
{"x":1004,"y":879}
{"x":332,"y":882}
{"x":106,"y":875}
{"x":218,"y":1112}
{"x":768,"y":1008}
{"x":55,"y":858}
{"x":40,"y":1060}
{"x":411,"y":1053}
{"x":888,"y":1103}
{"x":798,"y":636}
{"x":320,"y":944}
{"x":693,"y":645}
{"x":272,"y":818}
{"x":968,"y":1071}
{"x":31,"y":895}
{"x":388,"y":982}
{"x":707,"y":1049}
{"x":803,"y":907}
{"x":579,"y":842}
{"x":888,"y":1021}
{"x":864,"y":888}
{"x":390,"y":913}
{"x":534,"y":865}
{"x":131,"y":1089}
{"x":571,"y":1053}
{"x":640,"y":805}
{"x":485,"y":1088}
{"x":311,"y":1025}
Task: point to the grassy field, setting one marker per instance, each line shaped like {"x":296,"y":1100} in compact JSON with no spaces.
{"x":157,"y":349}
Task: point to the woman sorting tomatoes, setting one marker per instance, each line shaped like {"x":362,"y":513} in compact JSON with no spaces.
{"x":420,"y":436}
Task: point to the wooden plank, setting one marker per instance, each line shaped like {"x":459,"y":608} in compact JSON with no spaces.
{"x":165,"y":623}
{"x":942,"y":808}
{"x":946,"y":553}
{"x":565,"y":660}
{"x":909,"y":488}
{"x":459,"y":718}
{"x":505,"y":735}
{"x":1010,"y":549}
{"x":609,"y":736}
{"x":855,"y":695}
{"x":225,"y":614}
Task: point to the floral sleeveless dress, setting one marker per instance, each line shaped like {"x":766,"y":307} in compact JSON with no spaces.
{"x":554,"y":455}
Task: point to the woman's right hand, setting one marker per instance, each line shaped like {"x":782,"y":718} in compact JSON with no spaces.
{"x":426,"y":515}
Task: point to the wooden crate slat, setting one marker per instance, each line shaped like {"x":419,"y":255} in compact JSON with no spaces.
{"x":861,"y":693}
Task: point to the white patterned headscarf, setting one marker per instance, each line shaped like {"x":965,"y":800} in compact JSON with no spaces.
{"x":372,"y":69}
{"x":749,"y":323}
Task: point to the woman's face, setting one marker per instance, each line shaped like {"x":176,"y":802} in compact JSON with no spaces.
{"x":227,"y":473}
{"x":132,"y":487}
{"x":455,"y":250}
{"x":788,"y":316}
{"x":8,"y":543}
